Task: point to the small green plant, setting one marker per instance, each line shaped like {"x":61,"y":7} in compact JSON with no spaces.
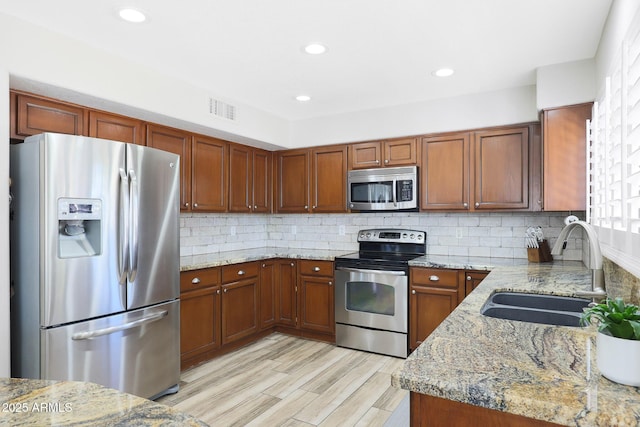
{"x":616,"y":318}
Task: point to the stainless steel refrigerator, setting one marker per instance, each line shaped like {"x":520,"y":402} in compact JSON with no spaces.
{"x":95,"y":263}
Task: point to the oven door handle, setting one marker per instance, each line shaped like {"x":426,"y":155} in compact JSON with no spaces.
{"x":360,"y":270}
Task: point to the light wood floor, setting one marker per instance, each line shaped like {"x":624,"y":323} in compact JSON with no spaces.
{"x":288,"y":381}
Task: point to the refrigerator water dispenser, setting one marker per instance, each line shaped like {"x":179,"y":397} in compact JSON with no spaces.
{"x":79,"y":227}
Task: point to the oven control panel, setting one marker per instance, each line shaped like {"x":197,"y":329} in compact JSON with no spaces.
{"x":392,"y":235}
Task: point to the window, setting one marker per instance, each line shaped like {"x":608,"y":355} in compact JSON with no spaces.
{"x":614,"y":158}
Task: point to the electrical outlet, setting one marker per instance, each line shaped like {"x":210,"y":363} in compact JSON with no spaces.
{"x":459,"y":233}
{"x":341,"y":230}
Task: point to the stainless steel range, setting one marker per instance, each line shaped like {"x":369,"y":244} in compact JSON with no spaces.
{"x":372,"y":291}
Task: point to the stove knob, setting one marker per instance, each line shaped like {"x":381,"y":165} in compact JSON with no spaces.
{"x":368,"y":235}
{"x":420,"y":236}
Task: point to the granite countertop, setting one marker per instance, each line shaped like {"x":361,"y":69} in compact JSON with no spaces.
{"x":42,"y":403}
{"x":216,"y":259}
{"x":538,"y":371}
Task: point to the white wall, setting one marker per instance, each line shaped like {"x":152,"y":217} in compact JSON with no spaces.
{"x":509,"y":106}
{"x":5,"y":366}
{"x":566,"y":84}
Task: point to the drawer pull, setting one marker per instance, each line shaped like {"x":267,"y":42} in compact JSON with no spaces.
{"x":434,"y":278}
{"x":241,"y":273}
{"x":413,"y":291}
{"x":316,"y":269}
{"x":291,"y":264}
{"x":195,"y":280}
{"x":468,"y":277}
{"x":330,"y":283}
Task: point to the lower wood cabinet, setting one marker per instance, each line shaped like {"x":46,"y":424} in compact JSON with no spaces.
{"x":199,"y":315}
{"x":317,"y":307}
{"x":239,"y":301}
{"x":434,"y":294}
{"x":287,"y":293}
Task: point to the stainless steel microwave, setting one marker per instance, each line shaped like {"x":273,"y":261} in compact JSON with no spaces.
{"x":383,"y":189}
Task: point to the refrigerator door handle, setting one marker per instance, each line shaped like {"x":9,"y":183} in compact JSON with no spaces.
{"x":133,"y":214}
{"x":87,"y":335}
{"x":123,"y":224}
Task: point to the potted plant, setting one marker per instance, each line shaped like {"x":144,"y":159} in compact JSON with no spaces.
{"x":618,"y":340}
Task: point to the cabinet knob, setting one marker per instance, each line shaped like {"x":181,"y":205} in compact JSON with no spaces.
{"x":264,"y":265}
{"x":413,"y":291}
{"x":218,"y":292}
{"x":477,"y":205}
{"x":468,"y":277}
{"x":249,"y":207}
{"x":330,"y":283}
{"x":434,"y":278}
{"x":465,"y":204}
{"x":240,"y":273}
{"x":225,"y":290}
{"x":195,"y":205}
{"x":195,"y":280}
{"x":386,"y":161}
{"x":377,"y":162}
{"x":306,"y":206}
{"x":291,"y":264}
{"x":255,"y":206}
{"x":313,"y":207}
{"x":186,"y":205}
{"x":316,"y":269}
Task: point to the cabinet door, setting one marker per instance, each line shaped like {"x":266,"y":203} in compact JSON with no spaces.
{"x":178,"y":142}
{"x":287,"y":292}
{"x":268,"y":292}
{"x":199,"y":322}
{"x":240,"y":178}
{"x":428,"y":307}
{"x":261,"y":181}
{"x":445,"y":172}
{"x":36,"y":115}
{"x":317,"y":311}
{"x":401,"y":152}
{"x":473,"y":279}
{"x":239,"y":309}
{"x":565,"y":163}
{"x":116,"y":128}
{"x":209,"y":175}
{"x":501,"y":168}
{"x":293,"y":181}
{"x":365,"y":155}
{"x":329,"y":179}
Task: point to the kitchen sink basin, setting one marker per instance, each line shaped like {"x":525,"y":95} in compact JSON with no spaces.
{"x":538,"y":301}
{"x":535,"y":308}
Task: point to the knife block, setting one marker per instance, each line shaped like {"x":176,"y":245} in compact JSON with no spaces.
{"x":540,"y":254}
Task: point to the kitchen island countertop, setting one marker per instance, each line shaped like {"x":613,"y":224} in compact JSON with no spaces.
{"x":41,"y":403}
{"x":537,"y":371}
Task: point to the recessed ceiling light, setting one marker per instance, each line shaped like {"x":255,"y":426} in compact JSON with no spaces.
{"x":315,"y":49}
{"x":132,"y":15}
{"x":443,"y":72}
{"x":303,"y":98}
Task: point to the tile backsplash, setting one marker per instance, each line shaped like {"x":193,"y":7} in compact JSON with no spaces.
{"x":467,"y":234}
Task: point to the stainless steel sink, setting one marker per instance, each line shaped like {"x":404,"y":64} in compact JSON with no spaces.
{"x":535,"y":308}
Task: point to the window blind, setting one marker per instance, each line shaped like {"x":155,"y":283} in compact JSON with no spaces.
{"x":613,"y":167}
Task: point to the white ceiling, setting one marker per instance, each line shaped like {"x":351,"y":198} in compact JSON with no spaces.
{"x":380,"y":52}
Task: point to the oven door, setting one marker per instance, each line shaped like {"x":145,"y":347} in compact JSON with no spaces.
{"x":375,"y":299}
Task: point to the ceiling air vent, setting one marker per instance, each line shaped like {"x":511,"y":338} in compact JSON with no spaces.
{"x":222,"y":109}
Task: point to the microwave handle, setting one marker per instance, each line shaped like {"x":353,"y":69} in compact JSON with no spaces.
{"x":395,"y":198}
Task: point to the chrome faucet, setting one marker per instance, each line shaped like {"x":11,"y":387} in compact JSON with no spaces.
{"x":595,"y":258}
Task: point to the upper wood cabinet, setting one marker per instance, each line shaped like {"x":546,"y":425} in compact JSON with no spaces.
{"x":444,"y":175}
{"x":209,"y":174}
{"x":249,"y":179}
{"x":312,"y":180}
{"x":501,"y":162}
{"x":178,"y":142}
{"x":564,"y":157}
{"x":395,"y":152}
{"x":31,"y":115}
{"x":116,"y":128}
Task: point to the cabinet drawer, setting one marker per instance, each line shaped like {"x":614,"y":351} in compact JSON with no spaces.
{"x":316,"y":268}
{"x":435,"y":277}
{"x":235,"y":272}
{"x":198,"y":279}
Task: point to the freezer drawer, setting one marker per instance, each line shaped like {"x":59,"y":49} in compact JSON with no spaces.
{"x":137,"y":352}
